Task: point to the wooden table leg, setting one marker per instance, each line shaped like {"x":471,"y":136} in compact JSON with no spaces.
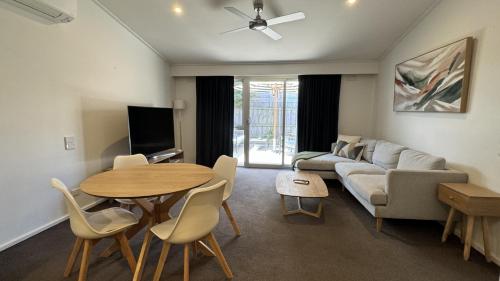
{"x":148,"y":210}
{"x":486,"y":238}
{"x":463,"y":231}
{"x":131,"y":232}
{"x":283,"y":206}
{"x":468,"y":236}
{"x":163,"y":208}
{"x":449,"y":224}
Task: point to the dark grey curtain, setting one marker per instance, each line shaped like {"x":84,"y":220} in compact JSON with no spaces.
{"x":318,"y":112}
{"x":214,"y":118}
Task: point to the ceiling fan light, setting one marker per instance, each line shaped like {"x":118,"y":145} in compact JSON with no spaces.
{"x":258,"y":24}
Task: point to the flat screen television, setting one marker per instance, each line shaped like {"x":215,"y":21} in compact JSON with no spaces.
{"x":151,"y":129}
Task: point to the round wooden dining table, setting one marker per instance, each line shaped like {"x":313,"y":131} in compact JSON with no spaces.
{"x":142,"y":182}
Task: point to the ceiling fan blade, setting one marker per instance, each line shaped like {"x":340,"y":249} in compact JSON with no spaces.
{"x":271,"y":33}
{"x":287,"y":18}
{"x":238,"y":13}
{"x":236,"y":30}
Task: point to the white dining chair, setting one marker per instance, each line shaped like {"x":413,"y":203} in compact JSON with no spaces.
{"x":225,"y":168}
{"x":197,"y":219}
{"x":90,"y":227}
{"x":127,"y":161}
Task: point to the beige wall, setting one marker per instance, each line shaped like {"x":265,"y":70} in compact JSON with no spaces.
{"x":355,"y":116}
{"x":185,"y":89}
{"x":470,"y":141}
{"x":65,"y":80}
{"x":357,"y":98}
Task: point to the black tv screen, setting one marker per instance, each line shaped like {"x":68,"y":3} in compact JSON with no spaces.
{"x":151,"y":129}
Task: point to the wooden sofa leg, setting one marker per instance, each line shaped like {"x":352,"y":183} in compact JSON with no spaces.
{"x":379,"y":224}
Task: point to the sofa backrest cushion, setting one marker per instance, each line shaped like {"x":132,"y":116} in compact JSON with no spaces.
{"x":348,"y":139}
{"x":386,"y":154}
{"x":369,"y":148}
{"x":416,"y":160}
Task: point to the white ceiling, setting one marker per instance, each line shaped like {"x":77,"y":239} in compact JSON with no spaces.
{"x":332,"y":30}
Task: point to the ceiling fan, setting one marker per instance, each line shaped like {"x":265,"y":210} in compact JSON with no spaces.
{"x":260,"y":24}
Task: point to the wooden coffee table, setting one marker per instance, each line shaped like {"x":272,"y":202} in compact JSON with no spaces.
{"x":286,"y":186}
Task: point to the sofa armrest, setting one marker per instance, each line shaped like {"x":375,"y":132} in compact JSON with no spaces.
{"x":413,"y":193}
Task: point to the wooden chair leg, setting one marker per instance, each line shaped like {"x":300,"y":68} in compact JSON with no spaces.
{"x":219,"y":255}
{"x":87,"y":247}
{"x":126,"y":251}
{"x":141,"y":261}
{"x":161,"y":260}
{"x":231,"y":218}
{"x":379,"y":224}
{"x":72,"y":257}
{"x":186,"y":262}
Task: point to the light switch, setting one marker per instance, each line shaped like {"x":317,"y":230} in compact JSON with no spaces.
{"x":69,"y":143}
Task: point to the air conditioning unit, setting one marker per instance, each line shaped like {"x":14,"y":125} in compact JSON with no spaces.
{"x":54,"y":11}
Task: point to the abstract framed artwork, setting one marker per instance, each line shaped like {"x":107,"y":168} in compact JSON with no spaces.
{"x":436,"y":81}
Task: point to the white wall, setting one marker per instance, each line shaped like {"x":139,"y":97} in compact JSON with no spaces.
{"x":471,"y":141}
{"x":357,"y":96}
{"x":58,"y":80}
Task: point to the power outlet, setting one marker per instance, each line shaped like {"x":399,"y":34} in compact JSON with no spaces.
{"x":69,"y":143}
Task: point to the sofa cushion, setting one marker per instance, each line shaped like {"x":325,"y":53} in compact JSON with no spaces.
{"x":321,"y":163}
{"x":352,"y":151}
{"x":386,"y":154}
{"x":416,"y":160}
{"x":369,"y":148}
{"x":369,"y":187}
{"x":346,"y":169}
{"x":348,"y":139}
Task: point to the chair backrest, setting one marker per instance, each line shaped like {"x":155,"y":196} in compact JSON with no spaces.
{"x":126,"y":161}
{"x":199,"y":215}
{"x":225,"y":167}
{"x":77,"y":219}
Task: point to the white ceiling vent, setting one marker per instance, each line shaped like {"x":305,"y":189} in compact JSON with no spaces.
{"x":55,"y":11}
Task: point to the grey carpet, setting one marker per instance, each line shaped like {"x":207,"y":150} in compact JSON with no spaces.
{"x":342,"y":245}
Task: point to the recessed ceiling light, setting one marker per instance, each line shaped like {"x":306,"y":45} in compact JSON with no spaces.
{"x":351,"y":2}
{"x":177,"y":9}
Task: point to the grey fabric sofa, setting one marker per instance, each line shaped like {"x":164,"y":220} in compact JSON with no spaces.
{"x":391,"y":181}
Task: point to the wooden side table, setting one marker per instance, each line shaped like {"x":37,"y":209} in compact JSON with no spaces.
{"x":473,"y":201}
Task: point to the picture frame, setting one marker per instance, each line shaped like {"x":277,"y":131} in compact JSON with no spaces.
{"x":436,"y":81}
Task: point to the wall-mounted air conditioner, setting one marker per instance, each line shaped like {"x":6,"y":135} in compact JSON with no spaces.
{"x":55,"y":11}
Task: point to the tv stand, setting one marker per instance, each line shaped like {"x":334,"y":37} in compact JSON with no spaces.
{"x":173,"y":155}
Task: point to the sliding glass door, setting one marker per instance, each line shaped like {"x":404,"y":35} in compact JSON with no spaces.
{"x":265,"y":121}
